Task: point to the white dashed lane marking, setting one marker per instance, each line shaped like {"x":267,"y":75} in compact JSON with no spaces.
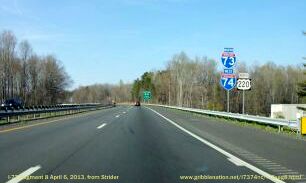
{"x":24,"y":174}
{"x":101,"y":126}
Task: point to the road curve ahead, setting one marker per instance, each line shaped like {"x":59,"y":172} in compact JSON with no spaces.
{"x":124,"y":144}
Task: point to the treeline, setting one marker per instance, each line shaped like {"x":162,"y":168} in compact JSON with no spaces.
{"x":302,"y":85}
{"x":102,"y":93}
{"x":37,"y":80}
{"x":195,"y":82}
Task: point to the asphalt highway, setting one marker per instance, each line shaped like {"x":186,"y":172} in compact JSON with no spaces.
{"x":147,"y":145}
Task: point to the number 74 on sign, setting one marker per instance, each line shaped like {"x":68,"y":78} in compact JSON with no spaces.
{"x":228,"y":83}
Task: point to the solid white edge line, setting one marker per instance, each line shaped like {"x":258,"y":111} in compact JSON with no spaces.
{"x":24,"y":174}
{"x":235,"y":161}
{"x":101,"y":126}
{"x":229,"y":155}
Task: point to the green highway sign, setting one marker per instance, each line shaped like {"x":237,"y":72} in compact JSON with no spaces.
{"x":146,"y":95}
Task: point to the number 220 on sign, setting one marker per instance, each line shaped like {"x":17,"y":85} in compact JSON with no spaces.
{"x":244,"y":84}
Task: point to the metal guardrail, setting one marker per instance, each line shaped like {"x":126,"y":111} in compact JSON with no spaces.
{"x":258,"y":119}
{"x":49,"y":109}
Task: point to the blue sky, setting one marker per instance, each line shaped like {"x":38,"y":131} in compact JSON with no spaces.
{"x":103,"y":41}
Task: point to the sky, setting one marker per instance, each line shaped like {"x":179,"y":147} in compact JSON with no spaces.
{"x":103,"y":41}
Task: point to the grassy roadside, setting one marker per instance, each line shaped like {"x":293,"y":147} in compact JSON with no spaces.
{"x":242,"y":123}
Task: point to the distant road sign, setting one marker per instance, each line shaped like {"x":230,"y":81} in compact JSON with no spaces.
{"x":228,"y":79}
{"x":146,"y":95}
{"x":228,"y":83}
{"x":243,"y":84}
{"x":244,"y":75}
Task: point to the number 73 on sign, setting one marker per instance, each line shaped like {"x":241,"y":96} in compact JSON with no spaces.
{"x":228,"y":62}
{"x":228,"y":59}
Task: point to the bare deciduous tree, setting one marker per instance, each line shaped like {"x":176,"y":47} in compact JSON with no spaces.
{"x":195,"y":83}
{"x":35,"y":80}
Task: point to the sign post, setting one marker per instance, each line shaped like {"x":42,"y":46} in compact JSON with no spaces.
{"x":227,"y":109}
{"x":242,"y":101}
{"x":228,"y":78}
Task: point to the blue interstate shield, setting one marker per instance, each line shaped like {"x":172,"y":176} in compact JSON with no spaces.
{"x":228,"y":62}
{"x":228,"y":83}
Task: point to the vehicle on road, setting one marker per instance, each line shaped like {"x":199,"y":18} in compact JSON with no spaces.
{"x":137,"y":103}
{"x":14,"y":103}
